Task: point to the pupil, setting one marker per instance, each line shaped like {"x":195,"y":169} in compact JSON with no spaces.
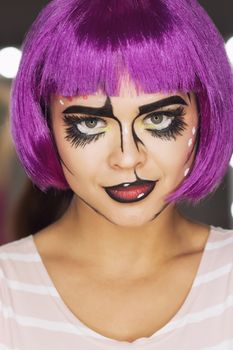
{"x":91,"y":123}
{"x":157,"y":119}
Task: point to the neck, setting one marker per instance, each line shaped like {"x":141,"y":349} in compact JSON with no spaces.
{"x":119,"y":250}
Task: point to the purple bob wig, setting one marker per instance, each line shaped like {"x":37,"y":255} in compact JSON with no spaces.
{"x":79,"y":47}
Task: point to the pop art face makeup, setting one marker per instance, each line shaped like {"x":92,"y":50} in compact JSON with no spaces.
{"x":123,"y":155}
{"x":87,"y":124}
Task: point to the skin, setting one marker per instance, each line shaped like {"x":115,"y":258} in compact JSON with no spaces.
{"x":125,"y":252}
{"x":121,"y":156}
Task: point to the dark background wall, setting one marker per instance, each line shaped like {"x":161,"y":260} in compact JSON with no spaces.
{"x":17,"y":15}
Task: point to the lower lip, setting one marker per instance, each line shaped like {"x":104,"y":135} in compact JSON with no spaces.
{"x":132,"y":193}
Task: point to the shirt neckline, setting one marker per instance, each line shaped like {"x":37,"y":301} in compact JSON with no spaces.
{"x":102,"y":340}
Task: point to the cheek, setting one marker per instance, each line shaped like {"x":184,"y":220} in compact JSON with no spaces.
{"x":77,"y":162}
{"x":174,"y":158}
{"x":170,"y":154}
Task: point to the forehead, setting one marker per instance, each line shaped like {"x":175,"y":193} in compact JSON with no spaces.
{"x":128,"y":96}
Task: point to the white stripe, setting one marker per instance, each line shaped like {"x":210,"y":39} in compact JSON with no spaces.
{"x":26,"y":321}
{"x":220,"y":244}
{"x":29,"y":287}
{"x":197,"y":317}
{"x":226,"y":345}
{"x":20,"y":257}
{"x":210,"y":276}
{"x":4,"y":347}
{"x":33,"y":322}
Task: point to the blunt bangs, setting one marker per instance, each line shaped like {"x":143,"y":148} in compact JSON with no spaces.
{"x":79,"y":47}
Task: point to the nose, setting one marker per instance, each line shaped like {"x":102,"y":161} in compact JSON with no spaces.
{"x":130,"y":154}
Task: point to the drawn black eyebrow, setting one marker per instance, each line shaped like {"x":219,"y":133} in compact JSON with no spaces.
{"x":106,"y":110}
{"x":172,"y":100}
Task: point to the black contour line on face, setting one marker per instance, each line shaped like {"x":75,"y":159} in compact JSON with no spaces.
{"x":106,"y":111}
{"x":108,"y":108}
{"x":135,"y":136}
{"x":160,"y":212}
{"x":112,"y":222}
{"x":95,"y":210}
{"x":62,"y":161}
{"x":175,"y":99}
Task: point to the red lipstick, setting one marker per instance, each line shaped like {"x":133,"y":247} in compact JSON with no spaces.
{"x":131,"y":192}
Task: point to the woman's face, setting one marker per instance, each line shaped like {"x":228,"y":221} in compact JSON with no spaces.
{"x":123,"y":155}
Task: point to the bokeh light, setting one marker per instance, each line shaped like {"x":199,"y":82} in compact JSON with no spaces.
{"x":9,"y":61}
{"x":229,"y":49}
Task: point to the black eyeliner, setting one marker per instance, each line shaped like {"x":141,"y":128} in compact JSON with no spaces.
{"x":76,"y":137}
{"x":177,"y":126}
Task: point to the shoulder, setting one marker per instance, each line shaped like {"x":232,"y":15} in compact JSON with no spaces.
{"x":220,"y":238}
{"x":22,"y":288}
{"x":17,"y":261}
{"x":219,"y":255}
{"x":21,"y":250}
{"x":17,"y":244}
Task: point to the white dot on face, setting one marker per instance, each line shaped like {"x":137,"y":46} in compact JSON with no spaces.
{"x":190,"y":142}
{"x":186,"y":172}
{"x":61,"y":102}
{"x":194,"y":130}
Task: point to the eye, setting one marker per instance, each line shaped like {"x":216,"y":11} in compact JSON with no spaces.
{"x":90,"y":126}
{"x":166,"y":125}
{"x":82,"y":130}
{"x":158,"y":121}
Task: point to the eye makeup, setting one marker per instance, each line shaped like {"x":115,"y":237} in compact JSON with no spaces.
{"x":163,"y":124}
{"x":190,"y":142}
{"x":186,"y":172}
{"x":73,"y":133}
{"x":82,"y":130}
{"x":175,"y":127}
{"x":106,"y":110}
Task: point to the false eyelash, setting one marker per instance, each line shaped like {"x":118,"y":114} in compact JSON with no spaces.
{"x":74,"y":136}
{"x":77,"y":138}
{"x":176,"y":127}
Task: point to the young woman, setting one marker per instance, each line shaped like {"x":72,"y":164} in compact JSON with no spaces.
{"x":129,"y":105}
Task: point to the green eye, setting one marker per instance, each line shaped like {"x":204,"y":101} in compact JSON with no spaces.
{"x":82,"y":130}
{"x":91,"y":123}
{"x":157,"y":119}
{"x":167,"y":124}
{"x":158,"y":122}
{"x":91,"y":126}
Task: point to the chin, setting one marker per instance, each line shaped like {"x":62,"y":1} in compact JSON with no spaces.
{"x":131,"y":221}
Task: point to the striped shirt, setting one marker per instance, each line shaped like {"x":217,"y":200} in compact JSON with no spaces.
{"x":33,"y":316}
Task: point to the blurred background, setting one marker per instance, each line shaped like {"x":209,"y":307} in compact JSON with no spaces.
{"x":19,"y":199}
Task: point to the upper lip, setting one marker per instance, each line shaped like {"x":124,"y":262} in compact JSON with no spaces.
{"x":128,"y":183}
